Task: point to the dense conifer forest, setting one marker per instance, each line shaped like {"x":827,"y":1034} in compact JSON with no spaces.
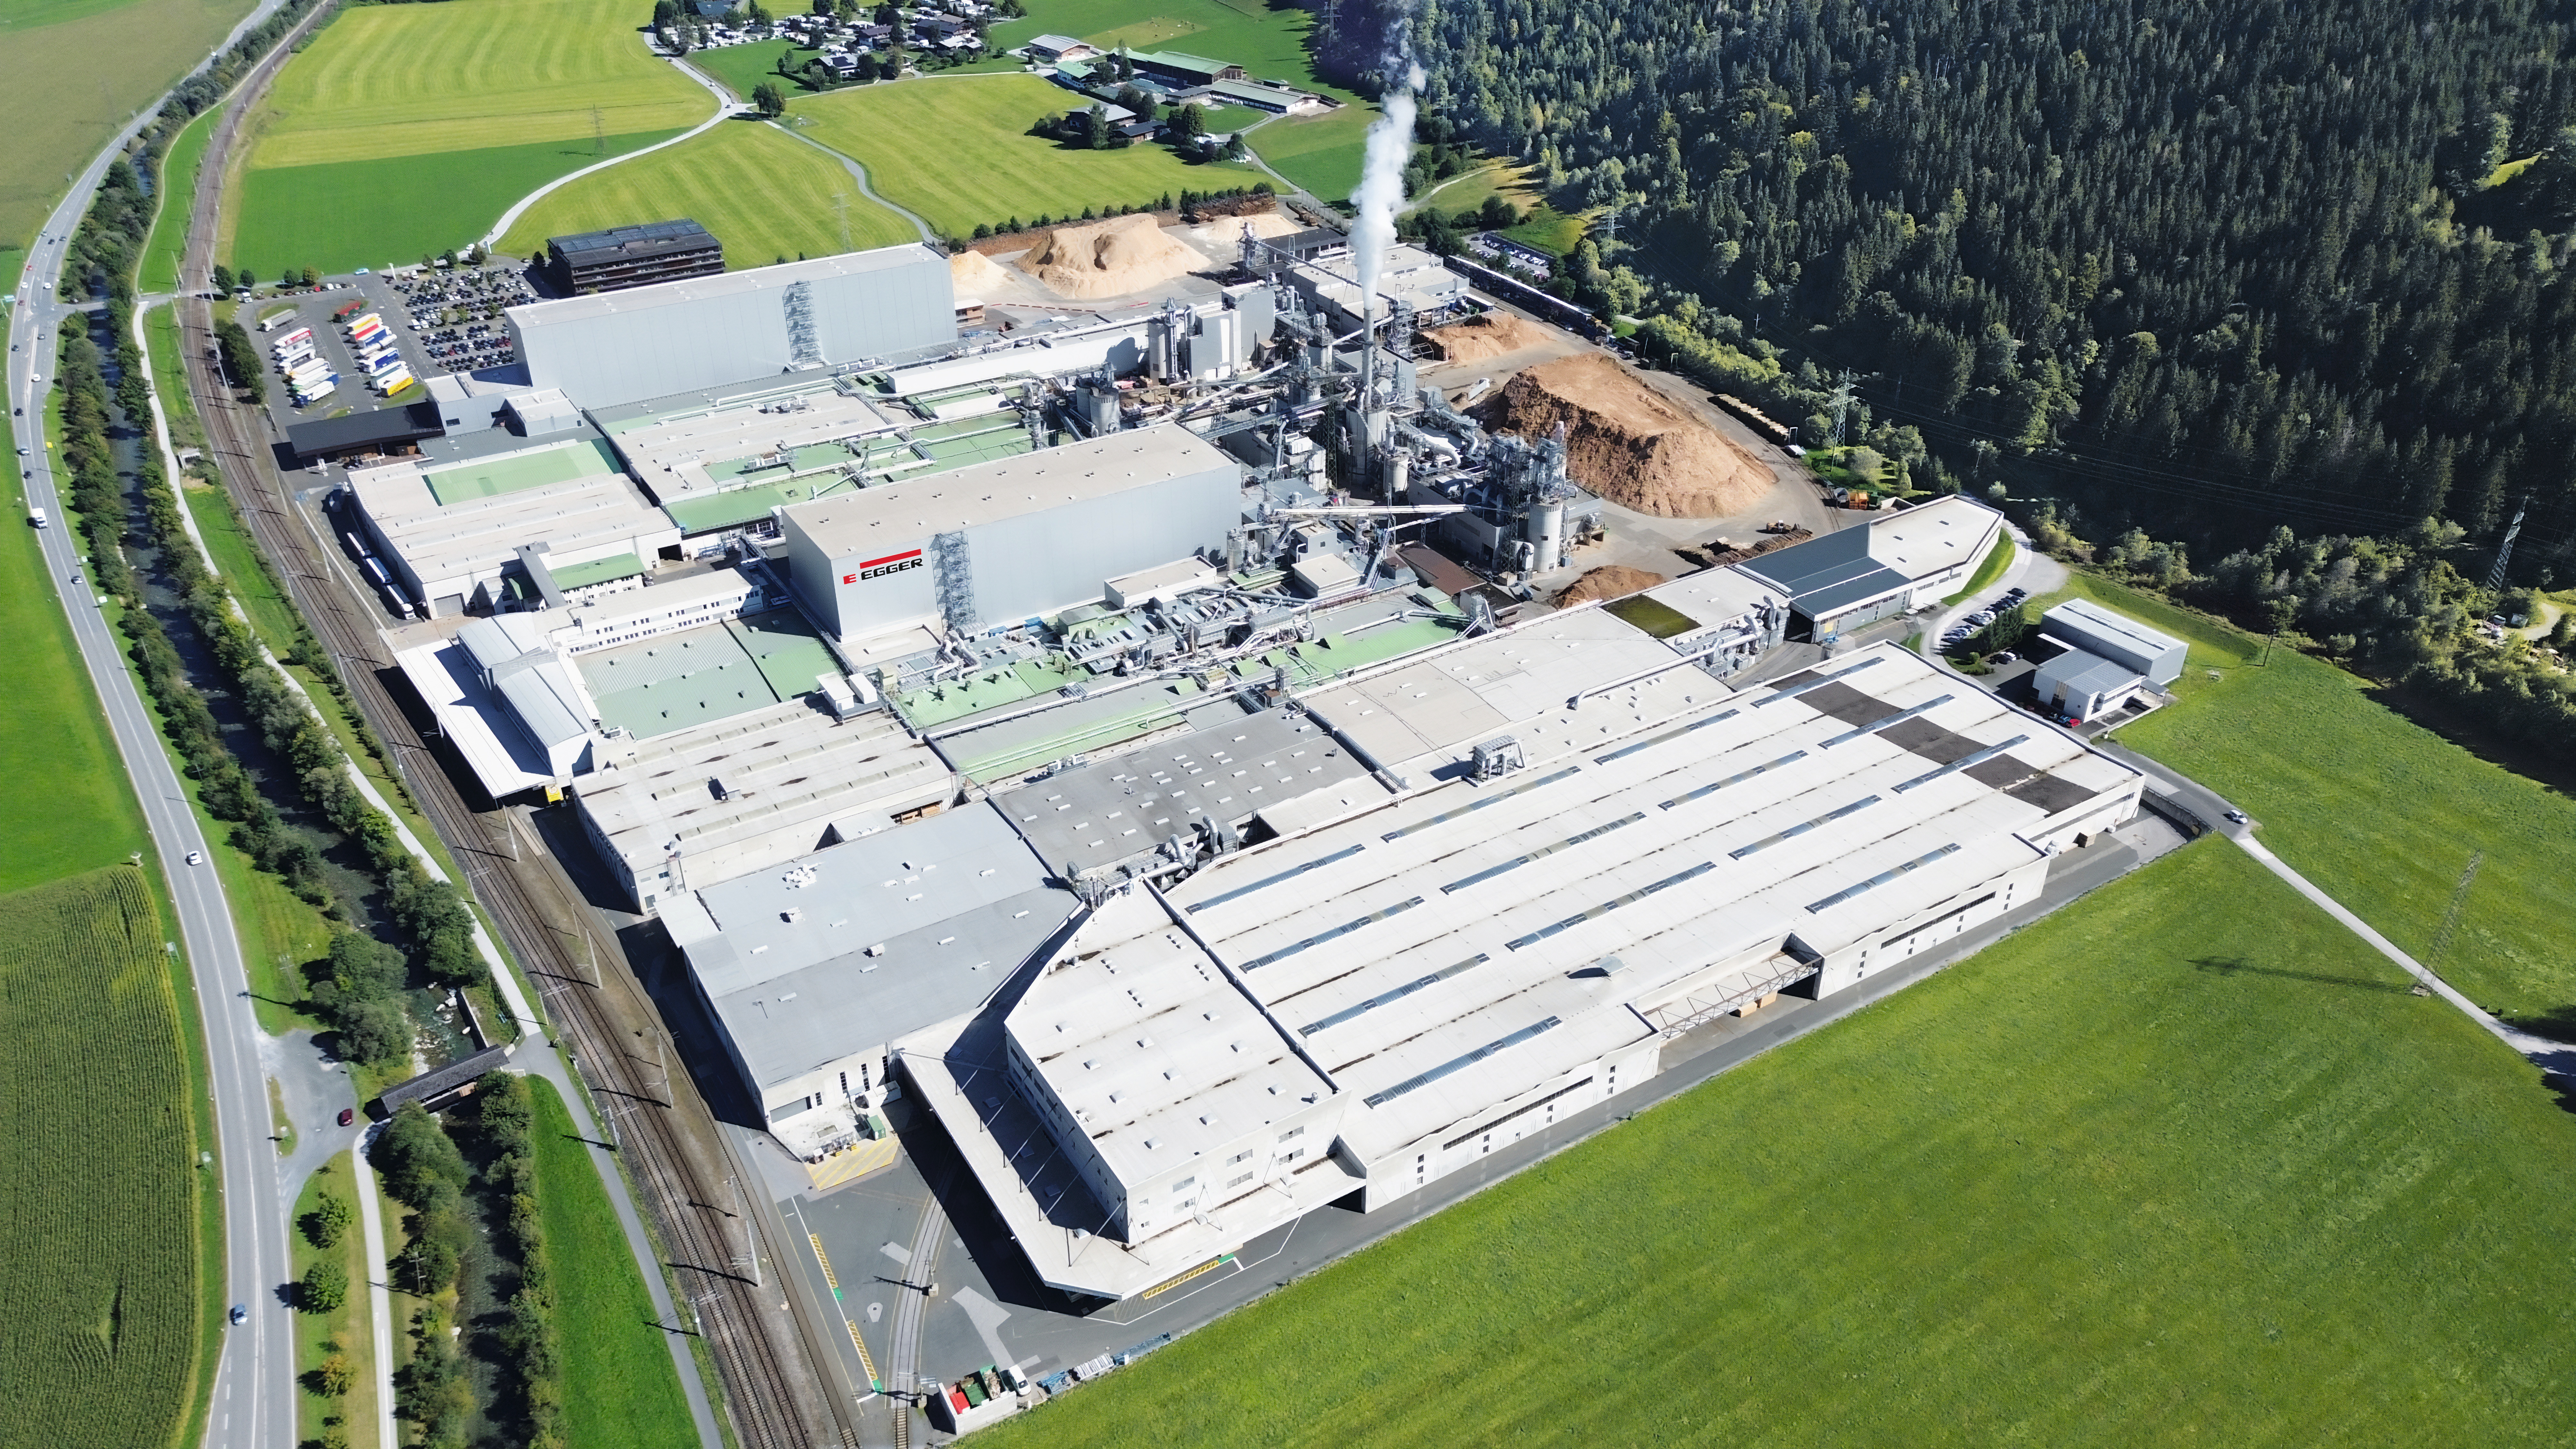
{"x":2271,"y":298}
{"x":2299,"y":257}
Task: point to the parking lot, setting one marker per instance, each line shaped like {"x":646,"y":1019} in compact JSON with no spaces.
{"x":456,"y":313}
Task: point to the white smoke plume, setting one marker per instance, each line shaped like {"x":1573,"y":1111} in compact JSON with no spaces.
{"x":1381,"y":189}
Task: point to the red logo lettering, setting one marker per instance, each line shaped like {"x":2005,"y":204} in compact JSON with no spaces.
{"x":849,"y":578}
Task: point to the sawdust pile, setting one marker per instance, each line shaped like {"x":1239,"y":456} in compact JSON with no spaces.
{"x":1490,"y":335}
{"x":1108,"y":258}
{"x":976,"y":274}
{"x":1631,"y":444}
{"x":1611,"y":581}
{"x":1224,"y":231}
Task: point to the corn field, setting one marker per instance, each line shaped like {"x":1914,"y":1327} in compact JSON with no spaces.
{"x":100,"y":1298}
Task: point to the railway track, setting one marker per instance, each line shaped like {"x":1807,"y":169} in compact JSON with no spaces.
{"x":742,"y":1324}
{"x":663,"y":1130}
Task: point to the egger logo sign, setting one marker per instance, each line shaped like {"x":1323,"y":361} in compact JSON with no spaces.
{"x":893,"y":563}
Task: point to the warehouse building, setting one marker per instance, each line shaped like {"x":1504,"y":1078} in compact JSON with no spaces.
{"x":385,"y":430}
{"x":2105,"y":662}
{"x":632,"y":256}
{"x":1010,"y":540}
{"x":2085,"y":625}
{"x":1895,"y":564}
{"x":703,"y":332}
{"x":514,"y":710}
{"x":450,"y":528}
{"x":709,"y":804}
{"x":812,"y":967}
{"x":1371,"y":1005}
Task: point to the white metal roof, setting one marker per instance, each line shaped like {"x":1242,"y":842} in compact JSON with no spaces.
{"x":1405,"y":939}
{"x":1157,"y":1055}
{"x":1934,"y":537}
{"x":789,"y":767}
{"x":1423,"y":717}
{"x":908,"y":511}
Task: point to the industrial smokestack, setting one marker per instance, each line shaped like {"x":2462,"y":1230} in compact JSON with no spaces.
{"x":1390,"y":146}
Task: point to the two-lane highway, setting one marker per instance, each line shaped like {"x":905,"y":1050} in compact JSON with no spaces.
{"x":254,"y":1389}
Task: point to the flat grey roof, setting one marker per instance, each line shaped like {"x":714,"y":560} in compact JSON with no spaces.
{"x":1230,"y":769}
{"x":956,"y":902}
{"x":2113,"y":628}
{"x":691,"y":289}
{"x":1827,"y":575}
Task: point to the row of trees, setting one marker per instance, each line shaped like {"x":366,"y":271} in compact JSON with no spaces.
{"x":105,"y":248}
{"x":425,"y":1166}
{"x":421,"y":1168}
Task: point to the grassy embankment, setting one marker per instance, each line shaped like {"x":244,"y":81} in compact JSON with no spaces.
{"x":72,"y":72}
{"x":619,"y":1385}
{"x":108,"y":1244}
{"x":410,"y":128}
{"x":2381,"y":813}
{"x":765,"y":195}
{"x":2184,"y":1164}
{"x":1989,"y":569}
{"x":958,"y":152}
{"x":348,"y":1331}
{"x":159,"y":271}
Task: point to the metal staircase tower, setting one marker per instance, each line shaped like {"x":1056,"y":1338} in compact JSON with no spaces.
{"x":956,"y":580}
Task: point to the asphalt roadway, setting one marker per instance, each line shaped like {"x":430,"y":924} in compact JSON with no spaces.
{"x":254,"y":1385}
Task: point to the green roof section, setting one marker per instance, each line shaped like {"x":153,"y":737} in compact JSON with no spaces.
{"x":706,"y":512}
{"x":596,"y":571}
{"x":955,"y":699}
{"x":1659,"y":619}
{"x":519,"y":472}
{"x":678,"y":680}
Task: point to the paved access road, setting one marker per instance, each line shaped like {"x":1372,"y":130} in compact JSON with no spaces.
{"x":254,"y":1389}
{"x":253,"y":1405}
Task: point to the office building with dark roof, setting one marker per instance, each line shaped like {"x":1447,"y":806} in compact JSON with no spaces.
{"x":633,"y":256}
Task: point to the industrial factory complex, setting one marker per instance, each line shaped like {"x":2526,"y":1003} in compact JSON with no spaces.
{"x":1062,"y":727}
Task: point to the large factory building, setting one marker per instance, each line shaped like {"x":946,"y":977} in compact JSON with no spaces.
{"x":1369,"y":1006}
{"x":679,"y":336}
{"x":1012,"y":540}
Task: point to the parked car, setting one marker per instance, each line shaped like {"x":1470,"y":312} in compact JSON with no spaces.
{"x":2006,"y":657}
{"x":348,"y":1115}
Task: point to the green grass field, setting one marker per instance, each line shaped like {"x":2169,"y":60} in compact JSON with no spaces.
{"x":409,"y":128}
{"x":1269,"y":40}
{"x":72,"y":72}
{"x":2381,"y":813}
{"x":957,"y":151}
{"x":1467,"y":191}
{"x":83,"y":814}
{"x":619,"y":1387}
{"x":1320,"y":153}
{"x":765,"y":195}
{"x":470,"y":75}
{"x":159,"y":271}
{"x":2184,"y":1164}
{"x":740,"y":67}
{"x":100,"y":1345}
{"x":350,"y":1332}
{"x":351,"y":214}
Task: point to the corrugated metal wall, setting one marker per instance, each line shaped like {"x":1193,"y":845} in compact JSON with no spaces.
{"x":653,"y":351}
